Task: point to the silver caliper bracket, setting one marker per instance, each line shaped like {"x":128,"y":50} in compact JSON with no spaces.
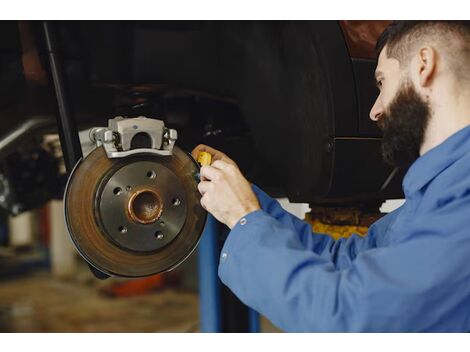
{"x":117,"y":137}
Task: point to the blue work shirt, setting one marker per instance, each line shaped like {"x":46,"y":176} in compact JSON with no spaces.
{"x":410,"y":273}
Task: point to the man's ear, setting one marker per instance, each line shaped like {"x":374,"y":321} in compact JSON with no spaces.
{"x":426,"y":65}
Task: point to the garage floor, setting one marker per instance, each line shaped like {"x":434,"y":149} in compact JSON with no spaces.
{"x":41,"y":303}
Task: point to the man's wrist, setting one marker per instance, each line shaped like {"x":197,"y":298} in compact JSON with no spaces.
{"x":233,"y":221}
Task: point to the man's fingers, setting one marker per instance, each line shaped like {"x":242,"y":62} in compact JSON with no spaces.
{"x":220,"y":164}
{"x":217,"y":170}
{"x":205,"y":148}
{"x":197,"y":150}
{"x":203,"y":203}
{"x":210,"y":173}
{"x":206,"y":202}
{"x":204,"y":186}
{"x":216,"y":154}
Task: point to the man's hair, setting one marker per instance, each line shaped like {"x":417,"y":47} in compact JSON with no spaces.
{"x":402,"y":39}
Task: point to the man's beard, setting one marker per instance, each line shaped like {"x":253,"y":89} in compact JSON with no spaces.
{"x":404,"y":125}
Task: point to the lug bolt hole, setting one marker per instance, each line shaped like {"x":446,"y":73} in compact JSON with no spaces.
{"x":159,"y":235}
{"x":117,"y":191}
{"x":151,"y":174}
{"x":176,"y":202}
{"x":122,"y":229}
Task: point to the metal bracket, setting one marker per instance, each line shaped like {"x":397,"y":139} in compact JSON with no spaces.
{"x":118,"y":136}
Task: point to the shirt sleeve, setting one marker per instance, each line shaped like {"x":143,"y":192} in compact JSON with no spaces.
{"x":340,"y":251}
{"x":409,"y":286}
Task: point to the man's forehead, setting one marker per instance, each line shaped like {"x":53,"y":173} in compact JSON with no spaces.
{"x":381,"y":61}
{"x":385,"y":63}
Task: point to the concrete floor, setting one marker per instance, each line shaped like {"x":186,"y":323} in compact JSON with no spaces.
{"x":40,"y":303}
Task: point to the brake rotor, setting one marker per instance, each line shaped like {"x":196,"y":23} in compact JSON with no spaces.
{"x":134,"y":216}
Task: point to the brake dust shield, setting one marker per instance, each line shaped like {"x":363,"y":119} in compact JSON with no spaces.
{"x":134,"y":216}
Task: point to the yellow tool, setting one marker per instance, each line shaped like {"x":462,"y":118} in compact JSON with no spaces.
{"x":204,"y":158}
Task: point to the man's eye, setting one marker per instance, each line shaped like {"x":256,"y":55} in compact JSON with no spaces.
{"x":379,"y":84}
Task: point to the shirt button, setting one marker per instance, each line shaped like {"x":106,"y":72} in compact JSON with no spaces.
{"x":242,"y":221}
{"x":223,"y":256}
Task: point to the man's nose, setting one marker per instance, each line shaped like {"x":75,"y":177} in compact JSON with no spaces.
{"x":376,"y":111}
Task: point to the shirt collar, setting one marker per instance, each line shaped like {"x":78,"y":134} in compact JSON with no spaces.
{"x":436,"y":160}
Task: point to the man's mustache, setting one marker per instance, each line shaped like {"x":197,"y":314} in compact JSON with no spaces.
{"x":381,"y":122}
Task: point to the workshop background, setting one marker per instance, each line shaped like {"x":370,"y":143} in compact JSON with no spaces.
{"x":267,"y":93}
{"x":46,"y":287}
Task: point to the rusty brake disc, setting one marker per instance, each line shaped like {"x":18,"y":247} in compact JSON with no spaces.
{"x":134,"y":216}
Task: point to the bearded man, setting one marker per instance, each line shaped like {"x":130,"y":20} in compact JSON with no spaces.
{"x":410,"y":272}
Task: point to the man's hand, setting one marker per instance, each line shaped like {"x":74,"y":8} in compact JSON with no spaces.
{"x":216,"y":154}
{"x":226,"y":194}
